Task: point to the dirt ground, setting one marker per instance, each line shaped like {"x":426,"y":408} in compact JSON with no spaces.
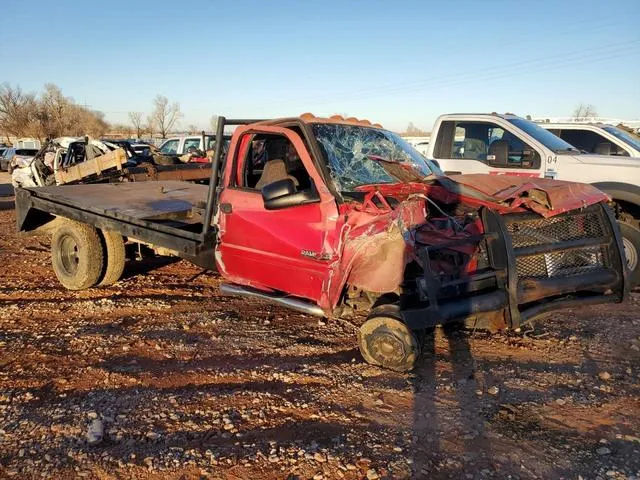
{"x":187,"y":383}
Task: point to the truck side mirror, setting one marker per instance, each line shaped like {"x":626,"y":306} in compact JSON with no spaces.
{"x":498,"y":155}
{"x":282,"y":194}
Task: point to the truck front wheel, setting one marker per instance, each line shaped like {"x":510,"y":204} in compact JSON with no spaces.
{"x":387,"y":342}
{"x":631,"y":242}
{"x":76,"y":255}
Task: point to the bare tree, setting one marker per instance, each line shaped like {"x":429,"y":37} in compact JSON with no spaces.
{"x":51,"y":114}
{"x":192,"y":128}
{"x":584,"y":111}
{"x":17,"y":111}
{"x":57,"y":115}
{"x":136,"y":121}
{"x":164,"y":116}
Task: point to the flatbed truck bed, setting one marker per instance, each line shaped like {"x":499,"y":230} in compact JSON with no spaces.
{"x":163,"y":213}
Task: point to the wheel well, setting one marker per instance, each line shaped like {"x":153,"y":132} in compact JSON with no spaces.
{"x":626,"y":197}
{"x":630,"y":208}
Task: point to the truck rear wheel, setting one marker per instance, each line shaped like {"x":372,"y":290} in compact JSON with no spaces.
{"x":76,"y":255}
{"x":389,"y":343}
{"x":114,"y":254}
{"x":631,"y":242}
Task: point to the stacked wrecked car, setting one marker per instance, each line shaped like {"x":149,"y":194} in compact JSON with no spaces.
{"x":72,"y":160}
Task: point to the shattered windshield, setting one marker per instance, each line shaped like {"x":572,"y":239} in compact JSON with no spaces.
{"x":358,"y":155}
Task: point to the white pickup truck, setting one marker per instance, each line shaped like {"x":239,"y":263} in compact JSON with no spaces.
{"x":510,"y":145}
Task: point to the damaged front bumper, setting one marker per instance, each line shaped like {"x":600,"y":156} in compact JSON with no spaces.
{"x":534,"y":266}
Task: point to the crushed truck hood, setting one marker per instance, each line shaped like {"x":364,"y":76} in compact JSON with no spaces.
{"x":544,"y":196}
{"x":504,"y":193}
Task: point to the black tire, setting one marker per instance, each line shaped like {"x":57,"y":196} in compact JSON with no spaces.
{"x":76,"y":255}
{"x":387,"y":342}
{"x":114,"y":254}
{"x":631,"y":241}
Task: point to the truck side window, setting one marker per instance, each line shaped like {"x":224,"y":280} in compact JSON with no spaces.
{"x":591,"y":142}
{"x":191,"y":142}
{"x":170,"y":146}
{"x":270,"y":158}
{"x":480,"y":140}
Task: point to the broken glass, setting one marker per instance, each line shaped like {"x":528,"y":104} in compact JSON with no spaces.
{"x":358,"y":155}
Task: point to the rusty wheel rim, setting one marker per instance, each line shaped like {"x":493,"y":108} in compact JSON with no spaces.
{"x":68,"y":253}
{"x":387,"y":348}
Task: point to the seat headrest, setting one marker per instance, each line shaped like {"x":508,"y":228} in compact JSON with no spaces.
{"x":603,"y":148}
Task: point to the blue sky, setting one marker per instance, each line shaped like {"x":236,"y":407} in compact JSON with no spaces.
{"x":390,"y":61}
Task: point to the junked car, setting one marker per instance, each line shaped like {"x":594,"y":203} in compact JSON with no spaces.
{"x":15,"y":158}
{"x":337,"y":217}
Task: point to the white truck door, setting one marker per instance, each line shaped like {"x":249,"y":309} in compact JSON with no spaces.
{"x":475,"y":146}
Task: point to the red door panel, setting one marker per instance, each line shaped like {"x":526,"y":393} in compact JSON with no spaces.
{"x":275,"y":249}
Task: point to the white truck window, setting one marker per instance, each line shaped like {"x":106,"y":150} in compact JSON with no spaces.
{"x":191,"y":142}
{"x":170,"y":146}
{"x":591,"y":142}
{"x":480,"y":141}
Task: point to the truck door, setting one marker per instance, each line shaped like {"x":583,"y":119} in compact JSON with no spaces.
{"x":287,"y":249}
{"x":484,"y":147}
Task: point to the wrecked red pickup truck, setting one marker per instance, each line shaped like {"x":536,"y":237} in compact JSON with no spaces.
{"x":338,"y":217}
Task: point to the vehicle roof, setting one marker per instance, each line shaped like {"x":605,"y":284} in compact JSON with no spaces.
{"x":311,"y":118}
{"x":506,"y":116}
{"x":575,"y":124}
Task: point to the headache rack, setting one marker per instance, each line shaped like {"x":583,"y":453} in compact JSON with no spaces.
{"x":535,"y":265}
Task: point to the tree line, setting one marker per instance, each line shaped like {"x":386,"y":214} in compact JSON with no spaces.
{"x":51,"y":114}
{"x":47,"y":115}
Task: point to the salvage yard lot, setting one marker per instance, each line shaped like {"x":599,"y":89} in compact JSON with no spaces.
{"x":188,"y":383}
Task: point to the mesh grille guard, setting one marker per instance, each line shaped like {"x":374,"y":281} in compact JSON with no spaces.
{"x":575,"y":255}
{"x":570,"y":244}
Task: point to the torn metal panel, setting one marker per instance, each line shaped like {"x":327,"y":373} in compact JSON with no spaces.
{"x":541,"y":195}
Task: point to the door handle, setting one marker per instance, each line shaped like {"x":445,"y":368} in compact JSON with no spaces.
{"x":226,"y":208}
